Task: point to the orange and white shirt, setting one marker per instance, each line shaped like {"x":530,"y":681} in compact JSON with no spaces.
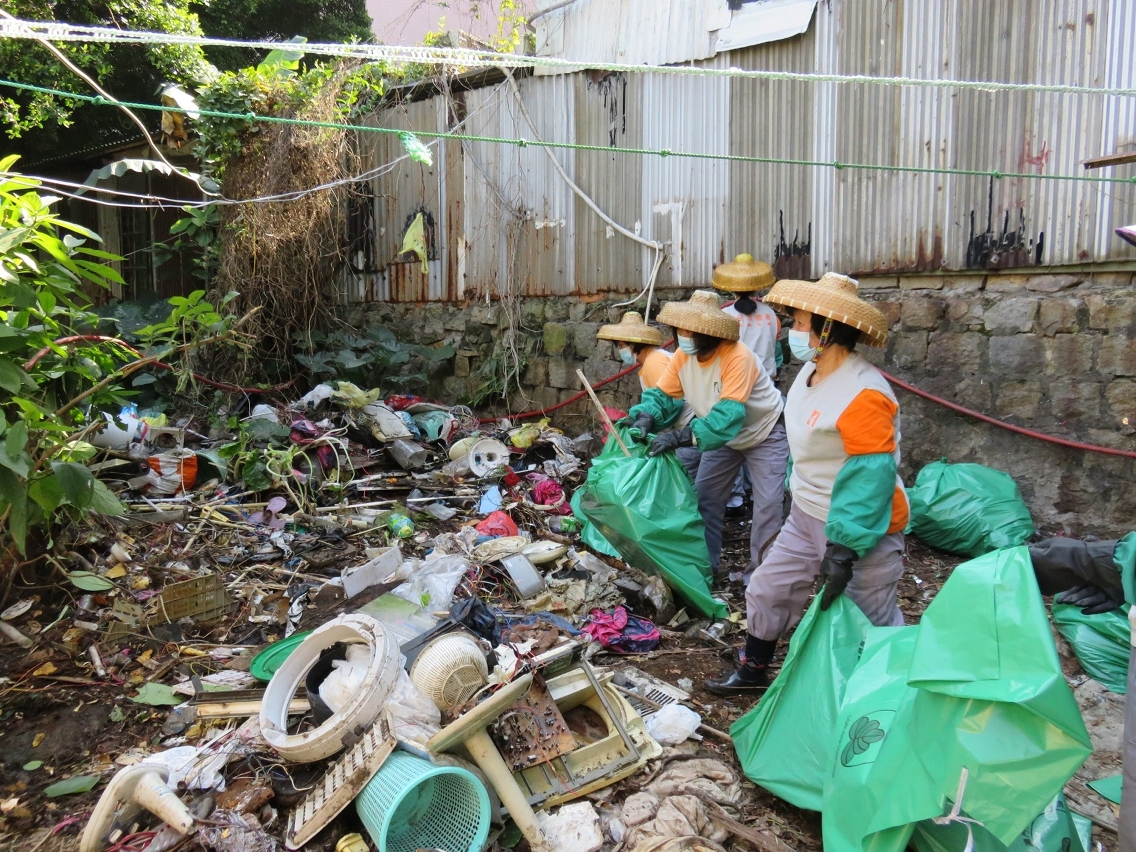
{"x":653,"y":367}
{"x":731,"y":373}
{"x":853,"y":412}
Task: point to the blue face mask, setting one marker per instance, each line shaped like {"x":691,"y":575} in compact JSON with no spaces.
{"x":626,"y":356}
{"x":799,"y":346}
{"x":686,"y":344}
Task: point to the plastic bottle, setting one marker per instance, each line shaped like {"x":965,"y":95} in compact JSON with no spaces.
{"x":400,"y":525}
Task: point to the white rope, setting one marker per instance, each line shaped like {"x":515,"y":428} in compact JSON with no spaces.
{"x":956,"y":813}
{"x":60,"y":31}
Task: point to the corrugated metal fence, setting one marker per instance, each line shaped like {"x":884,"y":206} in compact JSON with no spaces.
{"x":500,"y":218}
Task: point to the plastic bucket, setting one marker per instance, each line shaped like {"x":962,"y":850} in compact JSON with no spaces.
{"x":412,"y":804}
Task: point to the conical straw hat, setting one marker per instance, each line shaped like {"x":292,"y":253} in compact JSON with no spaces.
{"x":700,"y":314}
{"x":836,"y":297}
{"x":744,"y":275}
{"x":631,"y":329}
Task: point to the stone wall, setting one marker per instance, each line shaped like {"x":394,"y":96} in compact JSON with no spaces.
{"x":1052,"y":353}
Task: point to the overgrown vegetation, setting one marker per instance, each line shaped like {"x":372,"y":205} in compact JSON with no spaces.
{"x":56,"y":373}
{"x":375,"y":359}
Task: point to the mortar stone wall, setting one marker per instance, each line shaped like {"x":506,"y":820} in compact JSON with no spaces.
{"x":1053,"y":353}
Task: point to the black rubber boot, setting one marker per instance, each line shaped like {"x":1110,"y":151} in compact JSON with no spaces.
{"x":751,"y":676}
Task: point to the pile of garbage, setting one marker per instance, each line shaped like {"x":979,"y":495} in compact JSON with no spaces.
{"x":372,"y":614}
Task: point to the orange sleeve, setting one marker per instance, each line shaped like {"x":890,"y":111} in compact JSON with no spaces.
{"x":868,"y":424}
{"x":669,"y":382}
{"x":654,"y":367}
{"x":739,"y":372}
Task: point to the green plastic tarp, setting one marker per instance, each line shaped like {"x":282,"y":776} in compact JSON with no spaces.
{"x":647,"y":510}
{"x":976,"y":686}
{"x":968,"y":509}
{"x":1101,"y":642}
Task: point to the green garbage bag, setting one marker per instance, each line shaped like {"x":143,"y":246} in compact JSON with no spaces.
{"x":968,"y":509}
{"x":783,"y":742}
{"x":971,"y":712}
{"x":589,"y":535}
{"x":1056,"y":829}
{"x":647,"y":509}
{"x":1101,"y":642}
{"x":970,"y":704}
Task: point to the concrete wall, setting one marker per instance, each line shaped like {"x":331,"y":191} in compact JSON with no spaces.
{"x":1053,"y":353}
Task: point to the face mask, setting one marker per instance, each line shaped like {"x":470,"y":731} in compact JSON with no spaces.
{"x":627,"y":356}
{"x":799,"y":345}
{"x":686,"y":344}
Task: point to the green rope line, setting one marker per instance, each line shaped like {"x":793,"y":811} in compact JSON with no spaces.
{"x":58,"y":31}
{"x":572,"y":146}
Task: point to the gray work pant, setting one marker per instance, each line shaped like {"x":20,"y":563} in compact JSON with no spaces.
{"x":780,"y":587}
{"x":1127,"y":825}
{"x":766,"y":464}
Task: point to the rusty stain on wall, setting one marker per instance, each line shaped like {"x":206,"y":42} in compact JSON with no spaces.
{"x":613,"y":88}
{"x":793,"y":260}
{"x":1005,"y":249}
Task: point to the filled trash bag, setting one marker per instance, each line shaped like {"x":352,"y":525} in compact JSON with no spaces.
{"x":1056,"y":829}
{"x":968,"y":509}
{"x":647,"y":509}
{"x":591,"y":537}
{"x":1102,"y":642}
{"x":783,"y":743}
{"x":968,"y":706}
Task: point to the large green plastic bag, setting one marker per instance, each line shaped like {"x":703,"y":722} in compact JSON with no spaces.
{"x":968,"y":509}
{"x":589,"y":535}
{"x":647,"y":509}
{"x":1056,"y":829}
{"x":784,"y":742}
{"x":1101,"y":642}
{"x":986,"y":694}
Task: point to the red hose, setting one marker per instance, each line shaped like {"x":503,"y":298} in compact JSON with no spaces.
{"x":98,"y":338}
{"x":1029,"y":433}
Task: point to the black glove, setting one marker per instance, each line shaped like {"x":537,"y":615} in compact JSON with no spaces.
{"x":666,"y":442}
{"x":1093,"y":600}
{"x":645,"y":423}
{"x":835,"y":572}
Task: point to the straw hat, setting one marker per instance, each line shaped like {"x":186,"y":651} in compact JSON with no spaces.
{"x":700,"y":315}
{"x":836,"y":297}
{"x":744,"y":275}
{"x":631,"y":329}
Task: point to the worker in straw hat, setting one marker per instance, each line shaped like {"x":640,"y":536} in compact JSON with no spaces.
{"x":758,"y":326}
{"x":737,"y":417}
{"x":639,"y":343}
{"x":849,"y":506}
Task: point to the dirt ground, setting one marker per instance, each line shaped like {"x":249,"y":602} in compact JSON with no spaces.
{"x":68,"y":722}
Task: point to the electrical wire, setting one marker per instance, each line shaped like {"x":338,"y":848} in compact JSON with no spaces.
{"x":62,"y":31}
{"x":995,"y":174}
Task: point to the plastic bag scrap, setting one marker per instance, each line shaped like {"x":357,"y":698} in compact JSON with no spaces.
{"x":432,"y":581}
{"x":413,"y":717}
{"x":172,"y":472}
{"x":969,"y":706}
{"x":647,"y":509}
{"x":672,"y":724}
{"x":497,"y":524}
{"x":968,"y":509}
{"x":1056,"y":829}
{"x":622,"y":632}
{"x":1101,"y":642}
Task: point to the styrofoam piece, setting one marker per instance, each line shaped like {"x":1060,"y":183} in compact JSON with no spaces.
{"x":134,"y":789}
{"x":372,"y":572}
{"x":363,"y":709}
{"x":342,"y":782}
{"x":487,"y":456}
{"x":389,"y":424}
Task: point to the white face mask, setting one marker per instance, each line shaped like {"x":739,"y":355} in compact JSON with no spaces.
{"x":626,"y":356}
{"x":686,"y":344}
{"x":799,"y":345}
